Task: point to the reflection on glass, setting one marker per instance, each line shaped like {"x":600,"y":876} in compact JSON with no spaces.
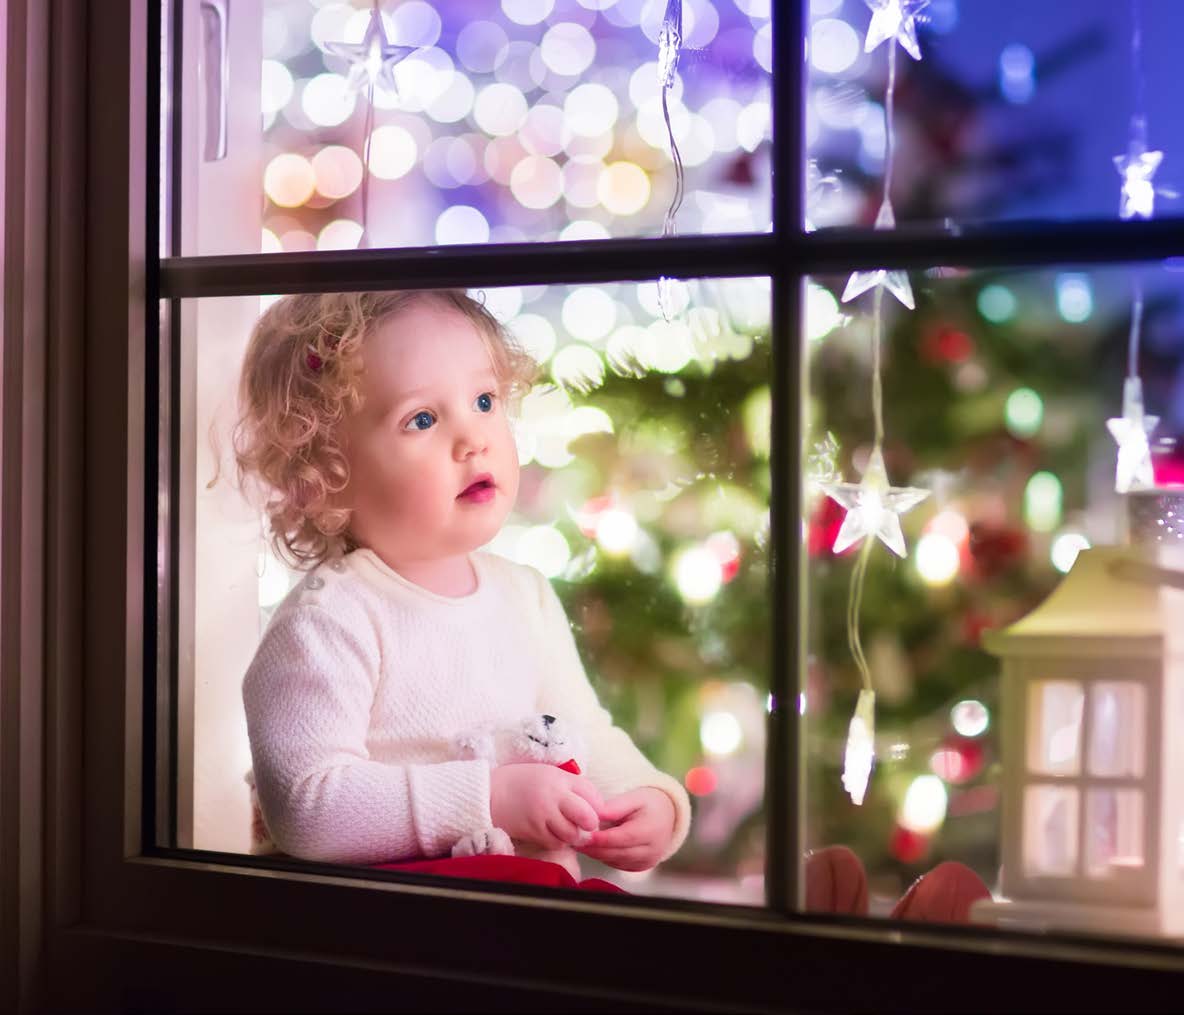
{"x":643,"y":499}
{"x":1114,"y":831}
{"x":1014,"y":111}
{"x":1054,"y":747}
{"x":1050,"y":831}
{"x":996,"y":392}
{"x":504,"y":122}
{"x":1118,"y":720}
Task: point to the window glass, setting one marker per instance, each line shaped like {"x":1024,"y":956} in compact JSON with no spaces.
{"x":1014,"y":111}
{"x":997,"y":467}
{"x":642,"y":451}
{"x":1116,"y":739}
{"x":471,"y":121}
{"x":1054,"y":744}
{"x":1114,"y":833}
{"x":1050,"y":831}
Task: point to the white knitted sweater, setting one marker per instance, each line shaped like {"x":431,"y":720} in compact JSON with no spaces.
{"x":363,"y":679}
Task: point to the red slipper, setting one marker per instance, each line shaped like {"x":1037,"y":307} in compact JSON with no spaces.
{"x":944,"y":895}
{"x":835,"y":882}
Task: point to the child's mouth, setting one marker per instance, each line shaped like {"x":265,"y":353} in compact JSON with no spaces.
{"x":479,"y":491}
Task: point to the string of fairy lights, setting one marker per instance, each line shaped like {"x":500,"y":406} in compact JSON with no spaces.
{"x":1137,"y":167}
{"x":873,"y":505}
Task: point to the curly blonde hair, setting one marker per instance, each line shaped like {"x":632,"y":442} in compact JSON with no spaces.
{"x":300,"y":380}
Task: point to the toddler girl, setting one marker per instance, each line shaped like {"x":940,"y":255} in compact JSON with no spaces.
{"x":377,"y":423}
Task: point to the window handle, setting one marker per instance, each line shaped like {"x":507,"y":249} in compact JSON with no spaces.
{"x":215,"y":15}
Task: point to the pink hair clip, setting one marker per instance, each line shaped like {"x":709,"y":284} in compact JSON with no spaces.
{"x":313,"y":360}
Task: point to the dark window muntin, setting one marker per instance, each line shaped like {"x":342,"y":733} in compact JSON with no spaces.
{"x":787,"y":255}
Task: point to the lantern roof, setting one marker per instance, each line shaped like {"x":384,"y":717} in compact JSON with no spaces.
{"x":1113,"y":602}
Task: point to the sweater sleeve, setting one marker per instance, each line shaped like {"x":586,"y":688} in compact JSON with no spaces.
{"x":615,"y":764}
{"x":308,"y":696}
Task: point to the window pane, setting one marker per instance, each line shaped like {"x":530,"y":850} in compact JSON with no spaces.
{"x":1116,"y":740}
{"x":1054,"y":744}
{"x":941,"y":563}
{"x":1013,"y":111}
{"x":642,"y":501}
{"x":1114,"y":832}
{"x":1050,"y":831}
{"x":487,"y":121}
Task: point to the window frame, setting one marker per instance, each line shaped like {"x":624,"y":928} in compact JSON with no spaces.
{"x":129,"y":923}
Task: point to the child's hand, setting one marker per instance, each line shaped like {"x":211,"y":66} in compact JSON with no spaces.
{"x":543,"y":804}
{"x":643,"y":825}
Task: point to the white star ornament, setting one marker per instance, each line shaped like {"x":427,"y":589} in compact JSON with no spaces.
{"x":894,"y":19}
{"x":1136,"y":168}
{"x":373,"y":60}
{"x":896,"y":282}
{"x":873,"y":506}
{"x":1131,"y":430}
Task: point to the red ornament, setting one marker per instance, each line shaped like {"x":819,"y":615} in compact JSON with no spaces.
{"x":957,"y":760}
{"x":1168,"y":467}
{"x":824,"y":529}
{"x":571,"y":765}
{"x":908,"y":846}
{"x":996,"y":550}
{"x":947,"y":345}
{"x":974,"y":625}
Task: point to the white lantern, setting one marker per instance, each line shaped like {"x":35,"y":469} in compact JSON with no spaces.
{"x":1092,"y":730}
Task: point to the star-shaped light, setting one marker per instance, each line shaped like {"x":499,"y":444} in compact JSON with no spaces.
{"x":1131,"y":431}
{"x":1136,"y":168}
{"x":896,"y":282}
{"x":669,"y":43}
{"x":373,"y":60}
{"x":861,"y":747}
{"x":894,"y":19}
{"x":873,"y":507}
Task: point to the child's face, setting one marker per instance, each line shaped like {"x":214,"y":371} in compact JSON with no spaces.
{"x":433,"y":466}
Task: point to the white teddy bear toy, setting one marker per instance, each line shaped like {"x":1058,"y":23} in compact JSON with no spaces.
{"x":537,"y":738}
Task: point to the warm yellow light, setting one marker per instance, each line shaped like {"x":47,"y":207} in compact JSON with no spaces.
{"x":698,"y":575}
{"x":937,"y":559}
{"x":338,"y":171}
{"x":289,"y":180}
{"x":924,"y":807}
{"x":623,"y":188}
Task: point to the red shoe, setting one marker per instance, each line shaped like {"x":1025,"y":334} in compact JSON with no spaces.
{"x":944,"y":895}
{"x":835,"y":882}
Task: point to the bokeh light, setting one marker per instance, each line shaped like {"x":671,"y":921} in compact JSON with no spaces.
{"x":393,"y":152}
{"x":289,"y":180}
{"x":1023,"y":413}
{"x":970,"y":718}
{"x":461,"y":224}
{"x":924,"y":807}
{"x":623,"y":188}
{"x":338,"y":171}
{"x":1043,"y":498}
{"x":720,"y":734}
{"x":1065,"y":548}
{"x":327,"y":100}
{"x":698,"y":575}
{"x":340,"y":234}
{"x":937,"y":559}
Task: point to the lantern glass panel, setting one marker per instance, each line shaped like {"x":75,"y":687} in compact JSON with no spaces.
{"x":1114,"y":831}
{"x":1050,"y":830}
{"x":1054,"y":747}
{"x":1116,"y":738}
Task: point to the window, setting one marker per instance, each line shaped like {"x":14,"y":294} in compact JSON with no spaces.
{"x":137,"y":877}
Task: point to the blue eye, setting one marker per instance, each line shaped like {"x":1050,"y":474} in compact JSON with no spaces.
{"x":484,"y":402}
{"x":421,"y":421}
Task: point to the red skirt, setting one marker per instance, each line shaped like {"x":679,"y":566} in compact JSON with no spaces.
{"x":520,"y":870}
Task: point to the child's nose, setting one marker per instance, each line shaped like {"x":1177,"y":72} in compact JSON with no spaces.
{"x":469,"y":443}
